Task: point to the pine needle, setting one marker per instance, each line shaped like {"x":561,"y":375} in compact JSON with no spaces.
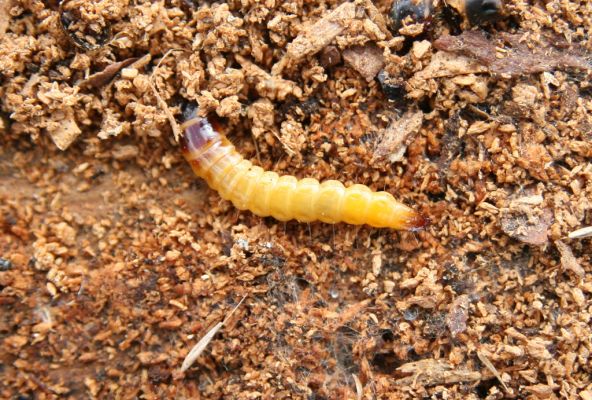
{"x":205,"y":340}
{"x":493,"y":370}
{"x":581,"y":233}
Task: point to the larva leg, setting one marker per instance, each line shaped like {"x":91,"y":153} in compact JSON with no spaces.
{"x":215,"y":159}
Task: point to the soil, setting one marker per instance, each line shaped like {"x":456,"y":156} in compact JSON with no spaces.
{"x":115,"y":261}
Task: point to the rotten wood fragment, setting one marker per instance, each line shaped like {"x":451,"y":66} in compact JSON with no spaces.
{"x":378,"y":18}
{"x":367,"y":60}
{"x":522,"y":221}
{"x":267,"y":85}
{"x":317,"y":36}
{"x":457,"y":317}
{"x":64,"y":132}
{"x":397,"y":136}
{"x":508,"y":54}
{"x":433,"y":372}
{"x":125,"y":152}
{"x":568,"y":260}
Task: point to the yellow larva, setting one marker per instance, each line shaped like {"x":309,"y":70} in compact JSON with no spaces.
{"x":265,"y":193}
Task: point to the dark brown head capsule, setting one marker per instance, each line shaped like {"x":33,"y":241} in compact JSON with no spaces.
{"x":404,"y":12}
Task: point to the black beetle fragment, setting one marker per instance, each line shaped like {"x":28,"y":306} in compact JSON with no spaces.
{"x":478,"y":12}
{"x":481,"y":11}
{"x":408,"y":12}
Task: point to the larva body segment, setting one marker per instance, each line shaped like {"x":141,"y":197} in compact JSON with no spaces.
{"x":265,"y":193}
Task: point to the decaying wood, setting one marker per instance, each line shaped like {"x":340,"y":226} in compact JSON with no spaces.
{"x":514,"y":59}
{"x":434,"y":372}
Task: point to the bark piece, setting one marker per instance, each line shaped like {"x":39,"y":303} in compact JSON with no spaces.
{"x":434,"y":372}
{"x":568,"y":260}
{"x":514,"y":57}
{"x":522,"y":221}
{"x":367,"y":60}
{"x":397,"y":136}
{"x":317,"y":36}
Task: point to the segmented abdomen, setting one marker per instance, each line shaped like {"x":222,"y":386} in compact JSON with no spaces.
{"x":265,"y":193}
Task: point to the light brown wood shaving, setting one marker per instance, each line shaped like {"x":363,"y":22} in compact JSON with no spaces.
{"x":267,"y":85}
{"x":317,"y":36}
{"x":434,"y":372}
{"x":397,"y":136}
{"x":568,"y":260}
{"x":367,"y":60}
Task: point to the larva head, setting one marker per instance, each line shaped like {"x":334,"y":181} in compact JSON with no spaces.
{"x":198,"y":132}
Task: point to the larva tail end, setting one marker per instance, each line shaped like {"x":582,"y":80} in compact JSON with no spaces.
{"x":417,"y":222}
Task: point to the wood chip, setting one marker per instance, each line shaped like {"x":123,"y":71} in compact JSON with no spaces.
{"x":526,"y":224}
{"x":518,"y":59}
{"x":568,"y":260}
{"x":458,"y":315}
{"x":433,"y":372}
{"x":267,"y":85}
{"x":367,"y":60}
{"x":64,"y":132}
{"x":103,"y":77}
{"x":317,"y":36}
{"x":125,"y":152}
{"x":397,"y":136}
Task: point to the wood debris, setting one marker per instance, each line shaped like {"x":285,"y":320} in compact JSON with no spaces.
{"x":367,"y":60}
{"x":483,"y":357}
{"x":115,"y":260}
{"x":203,"y":343}
{"x":525,"y":223}
{"x":397,"y":136}
{"x":517,"y":58}
{"x":568,"y":260}
{"x":64,"y":131}
{"x":458,"y":315}
{"x":103,"y":77}
{"x":267,"y":85}
{"x":317,"y":36}
{"x":434,"y":372}
{"x":581,"y":233}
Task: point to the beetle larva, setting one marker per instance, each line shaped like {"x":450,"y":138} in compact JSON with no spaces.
{"x":265,"y":193}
